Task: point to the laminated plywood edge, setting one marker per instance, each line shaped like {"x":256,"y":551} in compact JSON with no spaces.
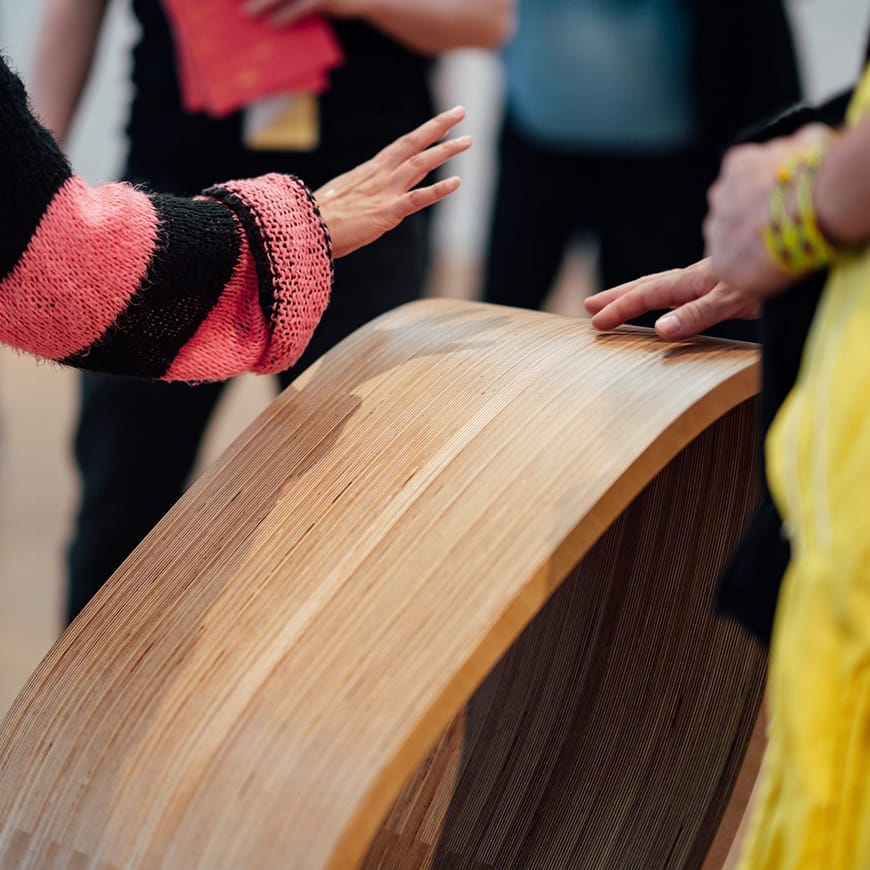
{"x":313,"y":613}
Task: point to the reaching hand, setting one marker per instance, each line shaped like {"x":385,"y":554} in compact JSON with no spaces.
{"x":698,"y":298}
{"x":363,"y":204}
{"x":738,"y":272}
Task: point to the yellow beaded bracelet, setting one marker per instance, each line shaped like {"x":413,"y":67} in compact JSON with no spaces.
{"x":796,"y":244}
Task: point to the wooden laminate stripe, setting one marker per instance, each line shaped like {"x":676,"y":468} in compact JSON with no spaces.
{"x":260,"y":678}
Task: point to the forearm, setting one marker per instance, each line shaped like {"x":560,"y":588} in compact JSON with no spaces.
{"x":111,"y":279}
{"x":842,"y":192}
{"x":436,"y":26}
{"x":170,"y":288}
{"x":64,"y":55}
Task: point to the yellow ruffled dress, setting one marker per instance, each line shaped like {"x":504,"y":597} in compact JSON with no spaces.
{"x":813,"y":804}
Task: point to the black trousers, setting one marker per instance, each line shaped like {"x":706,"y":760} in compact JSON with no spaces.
{"x":645,"y":210}
{"x":136,"y":441}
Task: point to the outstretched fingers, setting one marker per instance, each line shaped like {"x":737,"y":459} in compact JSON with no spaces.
{"x":375,"y":197}
{"x":639,"y":297}
{"x":599,"y":301}
{"x":417,"y":167}
{"x":671,"y":289}
{"x":422,"y":197}
{"x":420,"y":139}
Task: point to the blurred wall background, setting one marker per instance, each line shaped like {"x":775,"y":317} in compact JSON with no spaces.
{"x":37,"y":402}
{"x":830,"y":35}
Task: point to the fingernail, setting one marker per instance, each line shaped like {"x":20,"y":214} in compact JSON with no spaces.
{"x":457,"y":111}
{"x":668,"y":325}
{"x":463,"y":140}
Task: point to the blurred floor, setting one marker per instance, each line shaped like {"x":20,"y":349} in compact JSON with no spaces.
{"x":36,"y":488}
{"x":37,"y":493}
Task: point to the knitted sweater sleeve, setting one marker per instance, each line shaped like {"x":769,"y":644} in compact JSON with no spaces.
{"x":112,"y":279}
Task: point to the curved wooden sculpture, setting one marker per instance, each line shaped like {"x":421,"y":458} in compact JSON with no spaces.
{"x":361,"y":607}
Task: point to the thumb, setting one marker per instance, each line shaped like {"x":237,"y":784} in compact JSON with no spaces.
{"x":693,"y":317}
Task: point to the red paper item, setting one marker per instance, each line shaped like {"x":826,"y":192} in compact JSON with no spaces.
{"x":227,"y":60}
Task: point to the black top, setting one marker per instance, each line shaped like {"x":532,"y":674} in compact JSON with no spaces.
{"x":745,"y":67}
{"x":380,"y":92}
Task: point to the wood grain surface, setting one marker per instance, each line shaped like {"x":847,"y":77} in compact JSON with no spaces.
{"x":610,"y":733}
{"x":261,"y":677}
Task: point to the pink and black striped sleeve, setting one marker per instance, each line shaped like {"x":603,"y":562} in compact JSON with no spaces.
{"x":112,"y":279}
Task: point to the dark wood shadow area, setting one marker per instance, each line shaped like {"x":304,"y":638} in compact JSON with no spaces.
{"x":611,"y":733}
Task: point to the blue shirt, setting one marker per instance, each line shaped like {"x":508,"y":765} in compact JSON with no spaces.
{"x":603,"y":74}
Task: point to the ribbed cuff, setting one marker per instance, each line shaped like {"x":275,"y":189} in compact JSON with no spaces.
{"x":292,"y":253}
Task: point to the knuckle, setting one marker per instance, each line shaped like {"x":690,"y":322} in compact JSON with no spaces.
{"x":691,"y":315}
{"x":416,"y":199}
{"x":417,"y":163}
{"x":407,"y":142}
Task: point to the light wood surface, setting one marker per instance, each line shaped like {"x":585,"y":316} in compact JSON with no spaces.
{"x":262,"y":676}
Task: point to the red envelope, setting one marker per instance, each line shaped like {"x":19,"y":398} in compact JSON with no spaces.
{"x":227,"y":60}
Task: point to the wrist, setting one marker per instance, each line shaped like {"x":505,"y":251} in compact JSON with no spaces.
{"x":828,"y":216}
{"x":796,"y":237}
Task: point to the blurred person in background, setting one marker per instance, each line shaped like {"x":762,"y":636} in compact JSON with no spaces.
{"x":616,"y":115}
{"x":136,"y":442}
{"x":788,"y":235}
